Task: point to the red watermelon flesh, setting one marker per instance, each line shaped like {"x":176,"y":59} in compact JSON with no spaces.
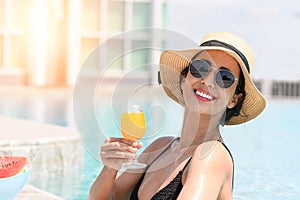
{"x":11,"y":165}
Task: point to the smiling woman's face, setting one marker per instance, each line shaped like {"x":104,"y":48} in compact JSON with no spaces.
{"x":203,"y":95}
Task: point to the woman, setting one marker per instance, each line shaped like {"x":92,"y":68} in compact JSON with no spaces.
{"x":213,"y":84}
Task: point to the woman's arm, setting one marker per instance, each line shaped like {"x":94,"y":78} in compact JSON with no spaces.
{"x":127,"y":180}
{"x":114,"y":152}
{"x":103,"y":186}
{"x":208,"y":170}
{"x":109,"y":184}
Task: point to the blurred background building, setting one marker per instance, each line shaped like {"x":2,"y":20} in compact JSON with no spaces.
{"x":45,"y":42}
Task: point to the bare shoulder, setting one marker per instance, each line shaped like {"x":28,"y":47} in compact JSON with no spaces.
{"x":209,"y":174}
{"x":212,"y":154}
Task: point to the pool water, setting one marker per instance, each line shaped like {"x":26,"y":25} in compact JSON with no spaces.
{"x":265,"y":150}
{"x":266,"y":153}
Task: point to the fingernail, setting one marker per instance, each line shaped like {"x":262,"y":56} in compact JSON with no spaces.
{"x":135,"y":144}
{"x":132,"y":149}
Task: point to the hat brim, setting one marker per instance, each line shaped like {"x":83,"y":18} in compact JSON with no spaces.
{"x":173,"y":62}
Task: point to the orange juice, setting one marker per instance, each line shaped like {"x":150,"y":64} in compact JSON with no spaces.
{"x":133,"y":125}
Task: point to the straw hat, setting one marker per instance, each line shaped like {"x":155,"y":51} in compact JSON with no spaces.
{"x":172,"y":63}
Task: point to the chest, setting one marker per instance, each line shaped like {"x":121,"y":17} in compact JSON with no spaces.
{"x":158,"y":179}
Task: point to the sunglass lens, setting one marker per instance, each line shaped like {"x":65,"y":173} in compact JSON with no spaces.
{"x":199,"y":68}
{"x":224,"y":78}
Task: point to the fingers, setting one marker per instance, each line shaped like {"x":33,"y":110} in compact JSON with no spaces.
{"x":116,"y":146}
{"x":117,"y":151}
{"x":123,"y":141}
{"x":117,"y":155}
{"x":137,"y":145}
{"x":119,"y":148}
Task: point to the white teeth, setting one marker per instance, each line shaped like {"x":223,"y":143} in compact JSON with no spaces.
{"x":204,"y":95}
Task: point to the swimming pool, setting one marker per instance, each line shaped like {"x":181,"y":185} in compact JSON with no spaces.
{"x":265,"y":150}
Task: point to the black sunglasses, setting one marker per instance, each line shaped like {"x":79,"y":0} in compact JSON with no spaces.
{"x":201,"y":68}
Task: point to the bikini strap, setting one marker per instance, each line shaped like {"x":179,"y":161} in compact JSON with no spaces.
{"x":186,"y":164}
{"x":232,"y":163}
{"x":168,"y":146}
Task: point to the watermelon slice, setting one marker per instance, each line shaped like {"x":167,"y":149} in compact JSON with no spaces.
{"x":12,"y":165}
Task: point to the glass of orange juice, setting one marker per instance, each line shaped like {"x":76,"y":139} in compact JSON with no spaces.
{"x":133,"y":127}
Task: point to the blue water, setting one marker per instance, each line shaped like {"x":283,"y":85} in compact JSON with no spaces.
{"x":266,"y":153}
{"x":265,"y":150}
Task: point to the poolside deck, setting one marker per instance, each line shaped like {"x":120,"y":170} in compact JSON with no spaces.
{"x":49,"y":148}
{"x":30,"y":192}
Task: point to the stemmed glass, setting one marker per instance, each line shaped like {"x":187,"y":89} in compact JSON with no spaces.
{"x":133,"y":127}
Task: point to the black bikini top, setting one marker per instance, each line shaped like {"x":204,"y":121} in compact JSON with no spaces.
{"x":170,"y":191}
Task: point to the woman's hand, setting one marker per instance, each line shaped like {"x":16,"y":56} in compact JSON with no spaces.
{"x":117,"y":151}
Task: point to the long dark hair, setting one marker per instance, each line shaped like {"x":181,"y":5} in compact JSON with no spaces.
{"x":235,"y":111}
{"x":240,"y":89}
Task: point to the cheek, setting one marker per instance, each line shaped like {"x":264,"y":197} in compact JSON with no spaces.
{"x":226,"y":96}
{"x":186,"y":88}
{"x":188,"y":94}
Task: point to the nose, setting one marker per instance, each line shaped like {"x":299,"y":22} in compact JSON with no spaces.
{"x":209,"y":79}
